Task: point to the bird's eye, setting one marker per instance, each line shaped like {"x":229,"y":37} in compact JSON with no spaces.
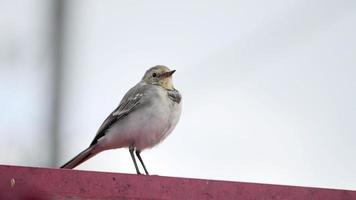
{"x":154,"y":75}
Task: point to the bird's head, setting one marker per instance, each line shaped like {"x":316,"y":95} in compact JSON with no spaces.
{"x":159,"y":75}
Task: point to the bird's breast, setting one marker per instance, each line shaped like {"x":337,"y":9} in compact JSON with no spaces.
{"x":148,"y":125}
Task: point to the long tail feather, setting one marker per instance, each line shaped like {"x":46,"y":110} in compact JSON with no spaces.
{"x":80,"y":158}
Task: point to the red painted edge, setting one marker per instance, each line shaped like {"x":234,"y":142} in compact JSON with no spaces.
{"x":43,"y":183}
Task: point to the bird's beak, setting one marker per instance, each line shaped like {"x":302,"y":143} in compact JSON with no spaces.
{"x":167,"y":74}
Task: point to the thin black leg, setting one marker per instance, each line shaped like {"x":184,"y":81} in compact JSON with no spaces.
{"x":143,"y":164}
{"x":131,"y":149}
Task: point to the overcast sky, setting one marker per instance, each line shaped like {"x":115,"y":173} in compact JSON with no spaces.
{"x":268,"y":87}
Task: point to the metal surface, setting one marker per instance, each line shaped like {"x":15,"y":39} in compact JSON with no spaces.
{"x":43,"y":183}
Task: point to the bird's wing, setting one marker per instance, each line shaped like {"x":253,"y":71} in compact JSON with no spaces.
{"x":130,"y":101}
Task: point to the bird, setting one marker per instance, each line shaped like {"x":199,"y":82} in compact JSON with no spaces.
{"x":145,"y":116}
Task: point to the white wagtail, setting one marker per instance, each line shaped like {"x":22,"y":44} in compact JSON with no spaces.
{"x":145,"y":116}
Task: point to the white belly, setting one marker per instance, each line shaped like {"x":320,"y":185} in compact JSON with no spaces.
{"x":144,"y":127}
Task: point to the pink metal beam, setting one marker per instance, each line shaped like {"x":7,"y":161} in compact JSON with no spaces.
{"x":42,"y":183}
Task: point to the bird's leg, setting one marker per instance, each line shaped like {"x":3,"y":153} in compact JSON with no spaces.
{"x":143,"y":164}
{"x":131,"y":149}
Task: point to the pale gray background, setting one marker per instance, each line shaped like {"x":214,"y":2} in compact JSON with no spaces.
{"x":268,"y":86}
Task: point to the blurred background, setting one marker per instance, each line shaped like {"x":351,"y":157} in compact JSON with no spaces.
{"x":268,"y":86}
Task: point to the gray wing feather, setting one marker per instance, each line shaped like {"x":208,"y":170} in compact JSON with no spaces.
{"x":130,"y":101}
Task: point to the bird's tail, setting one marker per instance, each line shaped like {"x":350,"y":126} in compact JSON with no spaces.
{"x":80,"y":158}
